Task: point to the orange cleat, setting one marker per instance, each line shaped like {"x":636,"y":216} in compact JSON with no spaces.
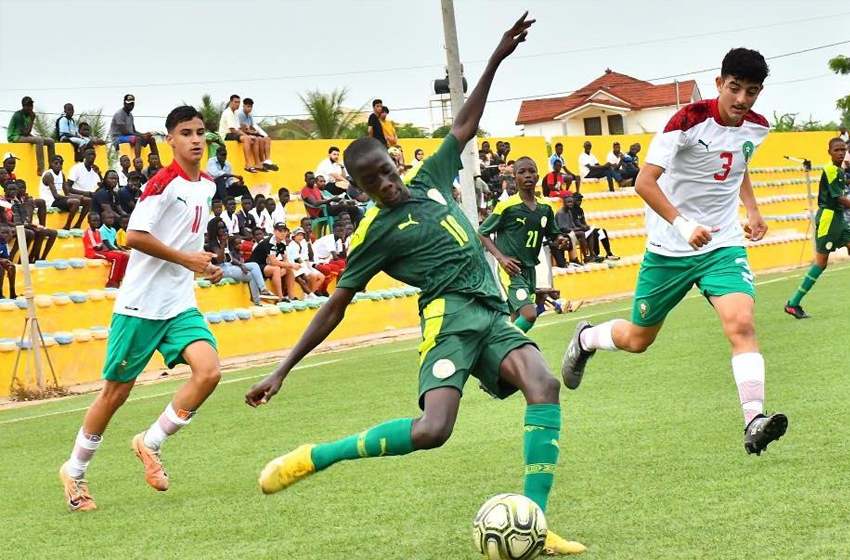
{"x":76,"y":491}
{"x":154,"y":472}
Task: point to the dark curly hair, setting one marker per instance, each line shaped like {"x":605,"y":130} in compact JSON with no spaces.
{"x":744,"y":64}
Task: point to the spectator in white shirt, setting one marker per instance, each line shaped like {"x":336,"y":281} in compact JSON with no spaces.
{"x":615,"y":158}
{"x":329,"y":251}
{"x":228,"y":128}
{"x":231,"y":219}
{"x":333,"y":171}
{"x":310,"y":279}
{"x":84,"y":177}
{"x":261,"y":215}
{"x":124,"y":171}
{"x":590,"y":168}
{"x":279,"y":212}
{"x":52,"y":190}
{"x":262,"y":141}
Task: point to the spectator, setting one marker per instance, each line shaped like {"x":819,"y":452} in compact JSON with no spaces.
{"x":312,"y":195}
{"x":124,"y":172}
{"x":226,"y":182}
{"x":418,"y":158}
{"x":271,"y":209}
{"x":270,"y":255}
{"x":121,"y":233}
{"x":334,"y":172}
{"x":262,"y":218}
{"x":12,"y":214}
{"x":556,"y":183}
{"x":311,"y":280}
{"x":84,"y":176}
{"x":228,"y":128}
{"x":108,"y":233}
{"x":20,"y":131}
{"x":615,"y":158}
{"x":105,"y":199}
{"x":388,"y":127}
{"x":153,"y":168}
{"x":278,"y":213}
{"x":139,"y":167}
{"x":52,"y":190}
{"x":262,"y":142}
{"x":247,"y":222}
{"x":229,"y":216}
{"x":594,"y":235}
{"x":307,"y":226}
{"x":229,"y":258}
{"x":557,"y":156}
{"x":304,"y":253}
{"x":4,"y":176}
{"x":41,"y":235}
{"x":329,"y":252}
{"x":217,"y":208}
{"x":94,"y":249}
{"x":214,"y":141}
{"x":10,"y":161}
{"x":569,"y":229}
{"x":843,"y":134}
{"x":590,"y":168}
{"x":503,"y":149}
{"x":128,"y":195}
{"x":68,"y":131}
{"x":122,"y":130}
{"x":509,"y":187}
{"x":374,"y":128}
{"x":85,"y":134}
{"x":7,"y":267}
{"x":630,"y":167}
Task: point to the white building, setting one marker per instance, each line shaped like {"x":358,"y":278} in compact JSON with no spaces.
{"x":611,"y":104}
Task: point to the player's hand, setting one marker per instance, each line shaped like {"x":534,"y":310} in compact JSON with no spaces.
{"x":510,"y":265}
{"x":513,"y":37}
{"x":756,"y":228}
{"x":701,"y":236}
{"x":198,"y":262}
{"x":563,"y":242}
{"x":262,"y":392}
{"x":213,"y":273}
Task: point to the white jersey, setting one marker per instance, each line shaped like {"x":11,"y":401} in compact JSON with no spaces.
{"x":44,"y":192}
{"x":175,"y":210}
{"x":704,"y":163}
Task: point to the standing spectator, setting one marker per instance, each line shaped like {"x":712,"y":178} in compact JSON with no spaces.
{"x":139,"y":167}
{"x":388,"y":127}
{"x":247,"y":222}
{"x":229,"y":217}
{"x":615,"y":158}
{"x":7,"y":267}
{"x":128,"y":195}
{"x":374,"y":128}
{"x":84,"y":176}
{"x":94,"y":249}
{"x":226,"y":182}
{"x":122,"y":129}
{"x":124,"y":172}
{"x":228,"y":128}
{"x":20,"y":131}
{"x":52,"y":190}
{"x":590,"y":168}
{"x":153,"y":167}
{"x":329,"y":252}
{"x":68,"y":131}
{"x":262,"y":141}
{"x":270,"y":255}
{"x":278,"y":212}
{"x":105,"y":199}
{"x":594,"y":235}
{"x":41,"y":235}
{"x":334,"y":172}
{"x":231,"y":264}
{"x":630,"y":167}
{"x":555,"y":183}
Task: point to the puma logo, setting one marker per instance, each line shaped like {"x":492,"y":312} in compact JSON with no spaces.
{"x":521,"y":220}
{"x":183,"y":200}
{"x":700,"y":142}
{"x":410,"y":222}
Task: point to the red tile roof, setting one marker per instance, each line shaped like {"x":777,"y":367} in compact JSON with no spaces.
{"x":636,"y":94}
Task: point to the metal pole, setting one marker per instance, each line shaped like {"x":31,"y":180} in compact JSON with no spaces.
{"x":678,"y":105}
{"x":809,"y":198}
{"x":468,"y":156}
{"x":35,"y":334}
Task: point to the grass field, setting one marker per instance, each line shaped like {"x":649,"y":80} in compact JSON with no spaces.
{"x":652,"y":463}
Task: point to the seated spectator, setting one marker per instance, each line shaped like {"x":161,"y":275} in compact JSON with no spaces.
{"x":590,"y":168}
{"x":108,"y":233}
{"x":226,"y":182}
{"x":7,"y":267}
{"x":262,"y":218}
{"x":594,"y":235}
{"x":105,"y":199}
{"x":388,"y":127}
{"x":139,"y":167}
{"x":247,"y":222}
{"x":271,"y":210}
{"x":84,"y":177}
{"x":95,"y":249}
{"x":52,"y":190}
{"x":373,"y":125}
{"x":312,"y":195}
{"x":569,"y":229}
{"x":248,"y":243}
{"x":228,"y":128}
{"x":278,"y":214}
{"x":214,"y":141}
{"x":20,"y":131}
{"x":129,"y":194}
{"x":216,"y":210}
{"x":329,"y":252}
{"x":262,"y":142}
{"x":615,"y":158}
{"x":122,"y":129}
{"x":630,"y":167}
{"x":418,"y":158}
{"x":230,"y":217}
{"x":228,"y":257}
{"x":4,"y":176}
{"x":124,"y":172}
{"x":270,"y":255}
{"x":68,"y":131}
{"x":336,"y":181}
{"x":41,"y":235}
{"x":153,"y":166}
{"x":10,"y":161}
{"x":300,"y":251}
{"x":121,"y":233}
{"x":85,"y":134}
{"x":557,"y":156}
{"x":307,"y":226}
{"x":555,"y":183}
{"x":11,"y":213}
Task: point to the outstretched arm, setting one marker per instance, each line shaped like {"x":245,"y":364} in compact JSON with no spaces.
{"x":326,"y":320}
{"x":466,"y":123}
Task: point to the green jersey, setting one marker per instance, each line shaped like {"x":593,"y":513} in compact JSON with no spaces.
{"x":832,"y":185}
{"x":425,"y":242}
{"x":519,"y":229}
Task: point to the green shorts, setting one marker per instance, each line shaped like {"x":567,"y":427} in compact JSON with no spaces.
{"x":461,"y":337}
{"x":663,"y":281}
{"x":133,"y":340}
{"x":520,"y":289}
{"x":832,"y":231}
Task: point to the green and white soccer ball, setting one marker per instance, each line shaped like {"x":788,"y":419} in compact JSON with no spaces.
{"x":510,"y":527}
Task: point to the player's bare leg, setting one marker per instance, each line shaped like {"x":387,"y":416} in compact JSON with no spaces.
{"x":736,"y":313}
{"x":526,"y":317}
{"x":525,"y":369}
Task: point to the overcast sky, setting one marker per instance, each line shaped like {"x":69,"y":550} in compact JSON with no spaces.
{"x":92,"y":53}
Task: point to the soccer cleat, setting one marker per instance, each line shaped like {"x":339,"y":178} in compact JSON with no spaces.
{"x":557,"y":546}
{"x":287,"y":469}
{"x":152,"y":460}
{"x":762,"y":430}
{"x":575,"y":359}
{"x":796,"y":311}
{"x":76,"y":491}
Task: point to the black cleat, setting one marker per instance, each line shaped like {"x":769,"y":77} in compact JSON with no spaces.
{"x":572,"y":368}
{"x":796,"y":311}
{"x":762,"y":430}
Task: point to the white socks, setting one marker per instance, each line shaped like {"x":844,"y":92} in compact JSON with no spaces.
{"x":167,"y":424}
{"x":749,"y":376}
{"x":599,"y":337}
{"x":84,"y":448}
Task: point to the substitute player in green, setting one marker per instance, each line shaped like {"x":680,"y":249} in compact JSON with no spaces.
{"x":419,"y":235}
{"x":831,"y":228}
{"x":520,"y":223}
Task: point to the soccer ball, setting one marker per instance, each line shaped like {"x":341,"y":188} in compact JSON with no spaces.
{"x":510,"y":527}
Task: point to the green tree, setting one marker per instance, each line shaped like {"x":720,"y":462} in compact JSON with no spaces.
{"x":328,"y":113}
{"x":841,"y":66}
{"x":210,"y":112}
{"x":443,"y":131}
{"x":409,"y":130}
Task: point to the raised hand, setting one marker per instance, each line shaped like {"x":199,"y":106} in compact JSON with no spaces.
{"x":513,"y":37}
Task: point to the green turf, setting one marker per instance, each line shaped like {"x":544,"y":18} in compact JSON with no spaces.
{"x":652,"y":463}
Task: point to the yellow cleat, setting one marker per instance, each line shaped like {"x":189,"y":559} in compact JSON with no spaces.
{"x":556,"y":546}
{"x":287,"y":469}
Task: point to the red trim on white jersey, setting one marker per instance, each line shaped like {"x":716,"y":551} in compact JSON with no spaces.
{"x":156,"y":185}
{"x":695,"y":113}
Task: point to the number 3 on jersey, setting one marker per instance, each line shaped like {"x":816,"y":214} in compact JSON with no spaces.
{"x":726,"y":167}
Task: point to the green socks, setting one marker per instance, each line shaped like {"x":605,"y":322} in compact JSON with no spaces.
{"x":389,"y":438}
{"x":540,"y":450}
{"x":811,"y":277}
{"x":524,"y":325}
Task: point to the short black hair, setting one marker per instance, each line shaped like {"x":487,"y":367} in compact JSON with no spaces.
{"x":358,"y":149}
{"x":376,"y":101}
{"x":744,"y":64}
{"x":385,"y":110}
{"x":216,"y":201}
{"x":333,"y":149}
{"x":248,"y":196}
{"x":229,"y":199}
{"x":834,"y":140}
{"x":519,"y":159}
{"x":282,"y":190}
{"x":248,"y":101}
{"x":179,"y":115}
{"x":234,"y":96}
{"x":558,"y":144}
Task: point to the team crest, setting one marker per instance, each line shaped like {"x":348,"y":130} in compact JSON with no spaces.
{"x":522,"y":294}
{"x":435,"y":195}
{"x":748,"y":148}
{"x":443,"y":369}
{"x":643,"y":308}
{"x":829,"y":245}
{"x":543,"y":221}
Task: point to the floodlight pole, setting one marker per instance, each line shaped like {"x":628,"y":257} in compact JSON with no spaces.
{"x":468,"y":156}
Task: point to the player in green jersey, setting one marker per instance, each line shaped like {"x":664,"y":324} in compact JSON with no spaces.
{"x":419,"y":235}
{"x":520,"y":223}
{"x":831,"y":229}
